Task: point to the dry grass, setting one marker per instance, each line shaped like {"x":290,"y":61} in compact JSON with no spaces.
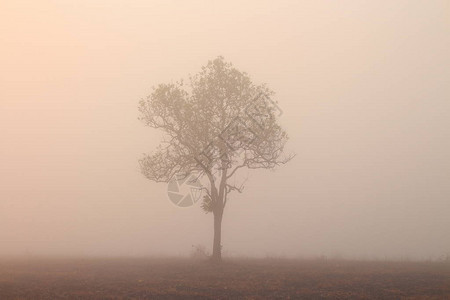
{"x":164,"y":278}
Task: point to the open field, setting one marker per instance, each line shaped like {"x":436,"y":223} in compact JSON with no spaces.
{"x":164,"y":278}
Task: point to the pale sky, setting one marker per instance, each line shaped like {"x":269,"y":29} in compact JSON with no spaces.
{"x":365,"y":93}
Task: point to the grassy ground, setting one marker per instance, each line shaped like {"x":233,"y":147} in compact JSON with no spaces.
{"x":133,"y":278}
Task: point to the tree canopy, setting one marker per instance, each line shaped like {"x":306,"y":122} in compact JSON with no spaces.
{"x":215,"y":124}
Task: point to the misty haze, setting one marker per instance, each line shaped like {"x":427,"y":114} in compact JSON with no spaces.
{"x":224,"y":149}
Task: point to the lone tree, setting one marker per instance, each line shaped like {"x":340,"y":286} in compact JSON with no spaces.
{"x":217,"y":124}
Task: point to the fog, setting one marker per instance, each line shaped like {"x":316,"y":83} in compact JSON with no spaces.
{"x":364,"y":89}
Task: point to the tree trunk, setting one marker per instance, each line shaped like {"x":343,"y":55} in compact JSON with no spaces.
{"x":217,"y":246}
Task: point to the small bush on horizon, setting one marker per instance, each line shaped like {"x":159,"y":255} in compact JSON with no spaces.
{"x":199,"y":252}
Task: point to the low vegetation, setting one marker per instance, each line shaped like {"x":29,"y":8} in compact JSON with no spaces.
{"x":164,"y":278}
